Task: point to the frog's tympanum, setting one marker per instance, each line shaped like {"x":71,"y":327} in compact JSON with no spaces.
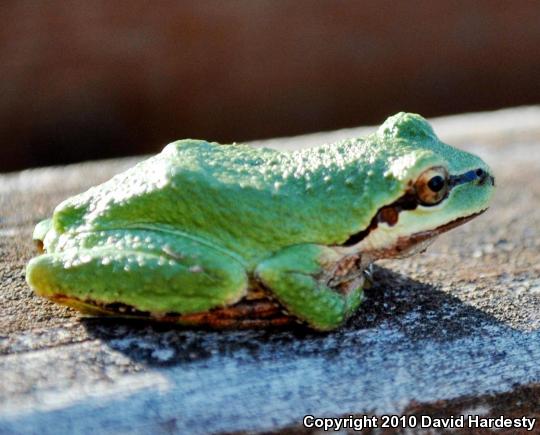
{"x":233,"y":236}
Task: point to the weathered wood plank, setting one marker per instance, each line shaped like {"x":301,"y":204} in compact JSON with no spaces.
{"x":459,"y":324}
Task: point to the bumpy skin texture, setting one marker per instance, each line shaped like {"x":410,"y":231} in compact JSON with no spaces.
{"x":185,"y":231}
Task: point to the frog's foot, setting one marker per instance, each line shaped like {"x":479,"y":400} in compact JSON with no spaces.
{"x":298,"y":278}
{"x":164,"y":274}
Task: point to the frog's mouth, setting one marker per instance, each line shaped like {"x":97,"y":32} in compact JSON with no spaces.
{"x":389,"y":214}
{"x":420,"y":236}
{"x":418,"y":242}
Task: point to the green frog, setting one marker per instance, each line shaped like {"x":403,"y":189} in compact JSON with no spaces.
{"x":235,"y":236}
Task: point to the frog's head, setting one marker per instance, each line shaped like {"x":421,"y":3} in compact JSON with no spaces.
{"x":433,"y":187}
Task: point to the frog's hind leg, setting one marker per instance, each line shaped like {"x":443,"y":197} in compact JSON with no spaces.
{"x":296,"y":277}
{"x":147,"y":271}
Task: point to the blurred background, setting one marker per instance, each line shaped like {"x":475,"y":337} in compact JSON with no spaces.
{"x":84,"y":80}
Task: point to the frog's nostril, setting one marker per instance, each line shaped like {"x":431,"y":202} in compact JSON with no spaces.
{"x":484,"y":177}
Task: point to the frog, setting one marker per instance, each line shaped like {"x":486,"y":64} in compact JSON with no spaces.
{"x":213,"y":235}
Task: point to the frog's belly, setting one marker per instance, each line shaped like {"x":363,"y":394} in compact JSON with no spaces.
{"x":256,"y":310}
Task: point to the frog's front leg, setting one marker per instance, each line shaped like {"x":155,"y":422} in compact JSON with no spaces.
{"x":296,"y":276}
{"x":147,"y":270}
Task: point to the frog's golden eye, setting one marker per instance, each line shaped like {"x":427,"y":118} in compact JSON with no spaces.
{"x":431,"y":187}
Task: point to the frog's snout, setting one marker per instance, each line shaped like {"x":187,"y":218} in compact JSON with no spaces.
{"x":484,"y":177}
{"x":478,"y":176}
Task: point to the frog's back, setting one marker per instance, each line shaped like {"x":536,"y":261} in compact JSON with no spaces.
{"x":247,"y":198}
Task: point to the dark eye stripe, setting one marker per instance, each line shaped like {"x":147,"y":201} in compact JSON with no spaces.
{"x":466,"y":177}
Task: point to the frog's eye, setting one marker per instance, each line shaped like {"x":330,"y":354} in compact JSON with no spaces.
{"x":431,"y":187}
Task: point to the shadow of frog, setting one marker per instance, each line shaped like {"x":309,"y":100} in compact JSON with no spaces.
{"x":395,"y":308}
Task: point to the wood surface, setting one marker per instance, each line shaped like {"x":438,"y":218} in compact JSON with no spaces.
{"x":454,"y":330}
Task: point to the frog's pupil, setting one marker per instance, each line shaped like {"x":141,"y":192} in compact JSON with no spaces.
{"x":436,"y":183}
